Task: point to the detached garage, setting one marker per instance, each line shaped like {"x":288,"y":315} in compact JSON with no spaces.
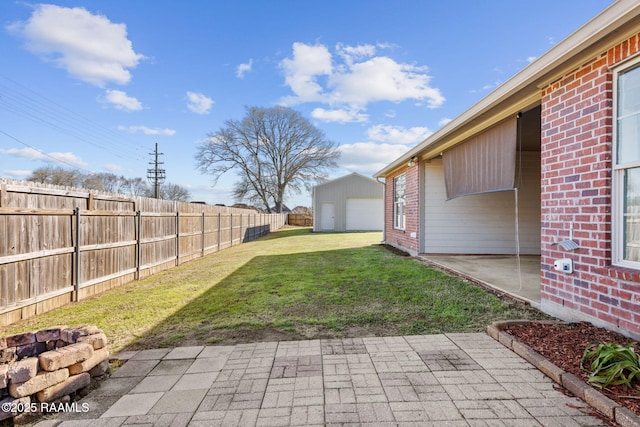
{"x":350,"y":203}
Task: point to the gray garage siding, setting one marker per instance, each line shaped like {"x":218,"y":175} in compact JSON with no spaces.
{"x":356,"y":189}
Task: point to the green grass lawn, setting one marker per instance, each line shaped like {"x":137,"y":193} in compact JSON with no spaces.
{"x":292,"y":284}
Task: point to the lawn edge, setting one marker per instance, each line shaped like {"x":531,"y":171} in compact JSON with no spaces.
{"x":583,"y":391}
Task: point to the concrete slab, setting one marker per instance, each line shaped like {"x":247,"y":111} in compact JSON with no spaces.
{"x":116,"y":386}
{"x":103,"y":422}
{"x":154,"y":353}
{"x":154,"y":383}
{"x":520,"y":278}
{"x":212,"y":364}
{"x":123,"y":355}
{"x":184,"y":353}
{"x":177,"y":401}
{"x":96,"y":405}
{"x":196,"y":381}
{"x":135,"y":368}
{"x":133,"y":404}
{"x":171,"y":367}
{"x":222,"y":351}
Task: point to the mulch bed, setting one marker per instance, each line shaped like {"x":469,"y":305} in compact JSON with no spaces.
{"x":564,"y":344}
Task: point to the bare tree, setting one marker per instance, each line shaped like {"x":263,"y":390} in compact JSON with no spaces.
{"x":136,"y":187}
{"x":108,"y":182}
{"x":57,"y":176}
{"x":273,"y":150}
{"x":171,"y":191}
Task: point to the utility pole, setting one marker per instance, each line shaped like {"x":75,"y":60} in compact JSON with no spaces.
{"x":155,"y":175}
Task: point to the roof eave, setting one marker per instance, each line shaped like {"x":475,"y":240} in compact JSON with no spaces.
{"x":531,"y":78}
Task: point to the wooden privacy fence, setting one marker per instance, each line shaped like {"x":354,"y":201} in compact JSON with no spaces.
{"x":303,"y":220}
{"x":59,"y":245}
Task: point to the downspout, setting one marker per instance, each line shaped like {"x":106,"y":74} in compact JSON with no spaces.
{"x":384,"y":206}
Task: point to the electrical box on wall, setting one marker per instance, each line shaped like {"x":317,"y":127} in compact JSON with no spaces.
{"x":564,"y":265}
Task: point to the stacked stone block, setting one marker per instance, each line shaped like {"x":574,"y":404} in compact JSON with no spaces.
{"x":48,"y":366}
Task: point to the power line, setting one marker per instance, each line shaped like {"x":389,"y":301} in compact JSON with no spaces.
{"x":27,"y":103}
{"x":43,"y":153}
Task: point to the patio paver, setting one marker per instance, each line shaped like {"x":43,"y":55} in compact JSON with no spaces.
{"x":452,"y":379}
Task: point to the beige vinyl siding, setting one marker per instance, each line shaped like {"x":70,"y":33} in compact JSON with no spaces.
{"x":483,"y":223}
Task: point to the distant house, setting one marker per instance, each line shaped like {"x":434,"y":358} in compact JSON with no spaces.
{"x":350,"y":203}
{"x":284,"y":209}
{"x":551,"y":156}
{"x":245,"y":206}
{"x":303,"y":210}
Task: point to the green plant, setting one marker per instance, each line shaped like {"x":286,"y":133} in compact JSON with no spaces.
{"x":611,"y":364}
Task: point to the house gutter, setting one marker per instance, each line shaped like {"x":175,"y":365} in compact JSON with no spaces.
{"x":522,"y":91}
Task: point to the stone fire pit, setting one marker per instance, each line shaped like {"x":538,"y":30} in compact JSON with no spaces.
{"x":41,"y":371}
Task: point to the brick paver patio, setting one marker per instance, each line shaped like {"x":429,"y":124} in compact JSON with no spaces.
{"x":426,"y":380}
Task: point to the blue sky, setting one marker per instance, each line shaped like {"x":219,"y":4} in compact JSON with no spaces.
{"x":95,"y":84}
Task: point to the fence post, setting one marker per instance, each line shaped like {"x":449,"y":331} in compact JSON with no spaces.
{"x":202,"y":233}
{"x":177,"y":237}
{"x":231,"y":228}
{"x":138,"y":245}
{"x":76,"y":267}
{"x":3,"y":195}
{"x":219,"y":231}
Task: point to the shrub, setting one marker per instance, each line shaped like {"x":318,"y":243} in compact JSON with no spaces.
{"x":611,"y":364}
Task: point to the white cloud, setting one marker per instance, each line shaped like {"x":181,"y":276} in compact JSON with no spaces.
{"x":360,"y":78}
{"x":354,"y":53}
{"x":398,"y":134}
{"x":121,"y":101}
{"x":199,"y":103}
{"x":530,"y":59}
{"x":53,"y":157}
{"x":112,"y":167}
{"x":25,"y":153}
{"x":18,"y":173}
{"x":90,"y":47}
{"x":339,"y":116}
{"x":242,"y":69}
{"x":444,"y":121}
{"x":368,"y":157}
{"x":302,"y":71}
{"x":147,"y":130}
{"x":383,"y":79}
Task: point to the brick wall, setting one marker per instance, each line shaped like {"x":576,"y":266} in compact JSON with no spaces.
{"x":402,"y":238}
{"x":577,"y":132}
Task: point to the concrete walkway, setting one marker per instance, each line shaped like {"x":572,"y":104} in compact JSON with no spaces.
{"x":425,"y":380}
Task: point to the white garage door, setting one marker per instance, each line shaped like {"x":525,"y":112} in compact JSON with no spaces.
{"x":365,"y":214}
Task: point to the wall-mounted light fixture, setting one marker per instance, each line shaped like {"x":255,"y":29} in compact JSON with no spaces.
{"x":412,"y":162}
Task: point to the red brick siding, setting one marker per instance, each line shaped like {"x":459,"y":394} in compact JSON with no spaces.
{"x":577,"y":133}
{"x":402,"y":238}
